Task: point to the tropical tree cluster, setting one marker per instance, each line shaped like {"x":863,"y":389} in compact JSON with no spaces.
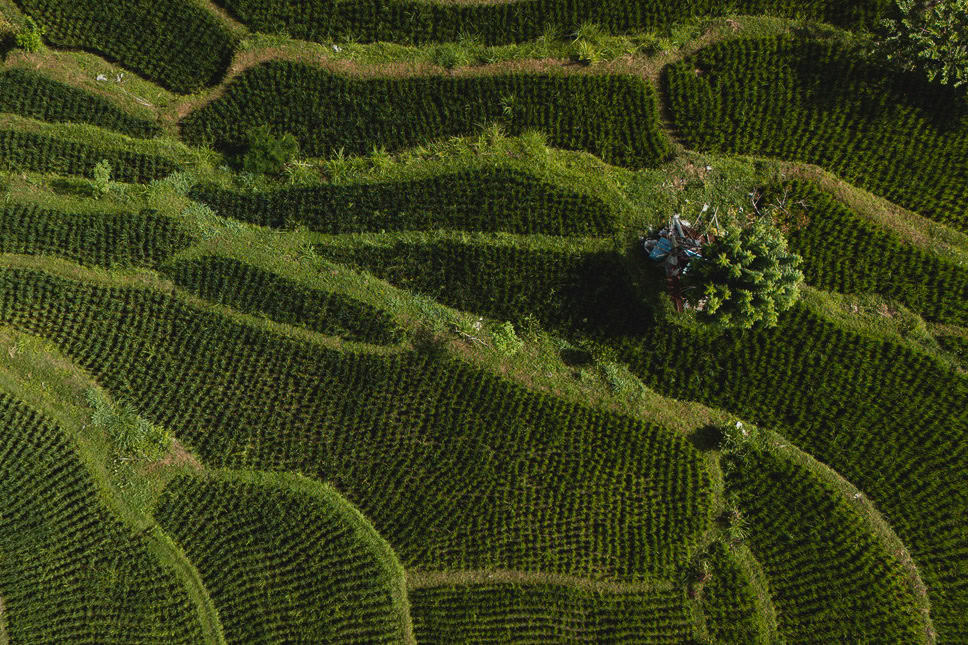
{"x":930,"y":36}
{"x":746,"y":277}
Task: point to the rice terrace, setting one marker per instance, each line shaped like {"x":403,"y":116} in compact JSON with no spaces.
{"x":483,"y":321}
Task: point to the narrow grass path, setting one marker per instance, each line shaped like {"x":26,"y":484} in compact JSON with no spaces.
{"x":427,"y":579}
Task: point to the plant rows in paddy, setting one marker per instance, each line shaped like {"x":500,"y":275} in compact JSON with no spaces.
{"x":612,"y":116}
{"x":957,"y":346}
{"x":562,"y":289}
{"x":282,"y":565}
{"x":100,"y":239}
{"x":177,"y":44}
{"x":730,"y":602}
{"x":33,"y":95}
{"x":808,"y":376}
{"x":831,"y":578}
{"x":455,"y":467}
{"x":31,"y":151}
{"x":69,"y":571}
{"x":491,"y":199}
{"x":252,"y":290}
{"x":819,"y":101}
{"x":844,"y":252}
{"x":546,"y":613}
{"x":819,"y":384}
{"x":514,"y":21}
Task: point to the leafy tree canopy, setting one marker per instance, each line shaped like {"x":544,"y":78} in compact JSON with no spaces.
{"x":267,"y":153}
{"x":930,"y":36}
{"x":745,"y":278}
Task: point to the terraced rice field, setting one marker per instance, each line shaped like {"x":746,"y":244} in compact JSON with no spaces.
{"x":420,"y":383}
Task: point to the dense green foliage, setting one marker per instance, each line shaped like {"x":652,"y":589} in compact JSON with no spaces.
{"x":267,"y":154}
{"x":816,"y":380}
{"x":32,"y":151}
{"x":728,"y":600}
{"x":493,"y":199}
{"x":30,"y":37}
{"x":34,"y":95}
{"x":456,"y":468}
{"x":545,"y":613}
{"x":844,"y":252}
{"x":176,"y":44}
{"x":252,"y":290}
{"x":102,"y":239}
{"x":283,"y":565}
{"x":818,"y":101}
{"x":929,"y":37}
{"x":745,"y":278}
{"x":956,"y":346}
{"x":69,"y":571}
{"x":831,"y":578}
{"x":612,"y":116}
{"x":512,"y":21}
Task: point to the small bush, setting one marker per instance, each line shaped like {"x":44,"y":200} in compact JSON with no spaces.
{"x":268,"y":154}
{"x":131,"y":435}
{"x":30,"y":38}
{"x":506,"y":340}
{"x":450,"y":55}
{"x":101,"y":184}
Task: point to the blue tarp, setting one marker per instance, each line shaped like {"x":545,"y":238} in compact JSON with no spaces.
{"x":661,"y":250}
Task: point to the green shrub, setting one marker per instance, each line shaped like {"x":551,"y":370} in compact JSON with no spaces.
{"x":831,"y":578}
{"x":243,"y":397}
{"x":505,"y":339}
{"x":31,"y":151}
{"x":845,"y":252}
{"x":450,"y":55}
{"x":92,"y":239}
{"x":346,"y":588}
{"x":132,"y":436}
{"x":71,"y":572}
{"x":745,"y":277}
{"x":498,"y":23}
{"x":101,"y":183}
{"x":547,"y":613}
{"x":30,"y":38}
{"x":266,"y":153}
{"x":808,"y":376}
{"x":252,"y":290}
{"x":564,"y":290}
{"x":728,"y":600}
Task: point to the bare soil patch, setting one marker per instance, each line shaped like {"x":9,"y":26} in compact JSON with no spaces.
{"x":177,"y":456}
